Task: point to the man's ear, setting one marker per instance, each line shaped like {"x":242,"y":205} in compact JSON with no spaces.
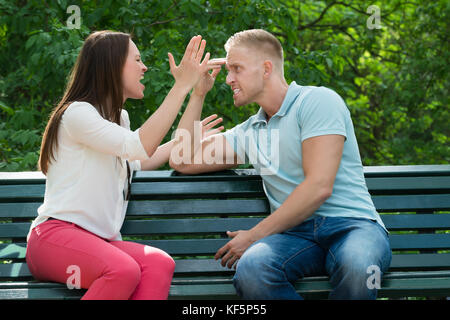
{"x":268,"y":68}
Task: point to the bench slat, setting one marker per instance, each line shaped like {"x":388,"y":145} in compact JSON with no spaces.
{"x":14,"y":230}
{"x":160,"y":208}
{"x":187,"y":226}
{"x":210,"y":246}
{"x":249,"y":188}
{"x":411,"y":202}
{"x":393,"y":284}
{"x":403,"y":261}
{"x":19,"y":210}
{"x":409,"y":184}
{"x":154,"y":227}
{"x":220,"y":226}
{"x":210,"y":266}
{"x":31,"y":192}
{"x":421,"y":261}
{"x":407,"y":170}
{"x":43,"y":290}
{"x":419,"y":241}
{"x":369,"y":171}
{"x":395,"y":222}
{"x":244,"y":188}
{"x":234,"y":206}
{"x":198,"y":207}
{"x":198,"y":189}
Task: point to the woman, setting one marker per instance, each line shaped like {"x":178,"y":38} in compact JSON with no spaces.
{"x":88,"y":154}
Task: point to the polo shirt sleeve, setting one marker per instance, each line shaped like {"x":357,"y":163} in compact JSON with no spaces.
{"x":86,"y":126}
{"x":236,"y":137}
{"x":322,"y":112}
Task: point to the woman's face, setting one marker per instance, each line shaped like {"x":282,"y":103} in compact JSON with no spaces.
{"x":133,"y":73}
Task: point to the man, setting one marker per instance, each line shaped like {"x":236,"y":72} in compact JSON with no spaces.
{"x":322,"y":217}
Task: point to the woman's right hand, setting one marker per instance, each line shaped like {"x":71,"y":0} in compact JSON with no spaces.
{"x":191,"y":67}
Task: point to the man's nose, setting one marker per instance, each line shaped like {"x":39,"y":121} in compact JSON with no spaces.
{"x":229,"y":79}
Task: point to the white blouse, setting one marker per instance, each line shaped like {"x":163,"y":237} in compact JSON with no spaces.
{"x":85,"y":184}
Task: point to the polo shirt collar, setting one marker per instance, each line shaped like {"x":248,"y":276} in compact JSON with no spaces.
{"x":291,"y":95}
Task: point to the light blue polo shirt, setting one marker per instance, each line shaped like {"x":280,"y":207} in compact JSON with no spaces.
{"x":275,"y":151}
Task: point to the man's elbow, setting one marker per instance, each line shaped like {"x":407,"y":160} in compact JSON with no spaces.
{"x":175,"y":165}
{"x":325,"y":192}
{"x":181,"y":167}
{"x":323,"y":189}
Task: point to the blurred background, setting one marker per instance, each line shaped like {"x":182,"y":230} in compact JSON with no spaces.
{"x":389,"y":60}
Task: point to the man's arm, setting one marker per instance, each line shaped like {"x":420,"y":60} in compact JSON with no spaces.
{"x":161,"y":155}
{"x":321,"y":157}
{"x":191,"y":154}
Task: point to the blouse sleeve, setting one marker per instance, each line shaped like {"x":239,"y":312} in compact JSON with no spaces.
{"x":85,"y":125}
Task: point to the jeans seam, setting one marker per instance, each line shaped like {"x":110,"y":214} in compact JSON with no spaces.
{"x":316,"y":229}
{"x":294,"y":255}
{"x":332,"y":255}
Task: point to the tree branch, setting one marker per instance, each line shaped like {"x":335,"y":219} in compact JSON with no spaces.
{"x":322,"y":14}
{"x":166,"y":21}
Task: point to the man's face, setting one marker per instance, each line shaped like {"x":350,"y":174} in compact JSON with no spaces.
{"x":245,"y":74}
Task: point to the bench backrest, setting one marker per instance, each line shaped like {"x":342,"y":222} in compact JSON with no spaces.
{"x":187,"y":216}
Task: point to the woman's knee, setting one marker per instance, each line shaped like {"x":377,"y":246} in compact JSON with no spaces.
{"x":159,"y":259}
{"x":128,"y":272}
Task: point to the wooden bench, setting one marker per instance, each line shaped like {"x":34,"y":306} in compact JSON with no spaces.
{"x":187,"y":216}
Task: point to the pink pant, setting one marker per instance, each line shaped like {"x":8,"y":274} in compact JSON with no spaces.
{"x":59,"y":251}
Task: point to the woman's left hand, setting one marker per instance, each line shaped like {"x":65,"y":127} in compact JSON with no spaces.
{"x":208,"y":124}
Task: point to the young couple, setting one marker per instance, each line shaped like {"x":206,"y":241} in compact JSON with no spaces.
{"x":322,"y":221}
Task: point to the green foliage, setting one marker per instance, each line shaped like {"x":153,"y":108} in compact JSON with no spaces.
{"x":394,"y":80}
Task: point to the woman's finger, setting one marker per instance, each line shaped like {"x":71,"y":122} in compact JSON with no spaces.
{"x":208,"y":119}
{"x":172,"y":63}
{"x":197,"y":41}
{"x":204,"y":63}
{"x":213,"y":123}
{"x":200,"y":52}
{"x":189,"y":48}
{"x":214,"y":131}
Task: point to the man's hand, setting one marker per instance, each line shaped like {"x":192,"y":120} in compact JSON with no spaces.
{"x":206,"y":82}
{"x":235,"y":248}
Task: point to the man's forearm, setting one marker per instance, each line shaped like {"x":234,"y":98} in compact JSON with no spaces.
{"x":306,"y":198}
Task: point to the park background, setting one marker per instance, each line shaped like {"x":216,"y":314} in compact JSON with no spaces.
{"x":389,"y":60}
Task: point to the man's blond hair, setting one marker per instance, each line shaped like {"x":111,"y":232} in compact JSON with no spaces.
{"x":262,"y":41}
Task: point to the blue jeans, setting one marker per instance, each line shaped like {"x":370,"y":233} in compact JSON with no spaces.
{"x":348,"y":250}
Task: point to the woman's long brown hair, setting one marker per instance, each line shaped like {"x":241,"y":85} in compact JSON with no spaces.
{"x":96,"y":78}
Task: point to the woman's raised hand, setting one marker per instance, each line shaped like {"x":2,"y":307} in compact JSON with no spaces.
{"x":191,"y":67}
